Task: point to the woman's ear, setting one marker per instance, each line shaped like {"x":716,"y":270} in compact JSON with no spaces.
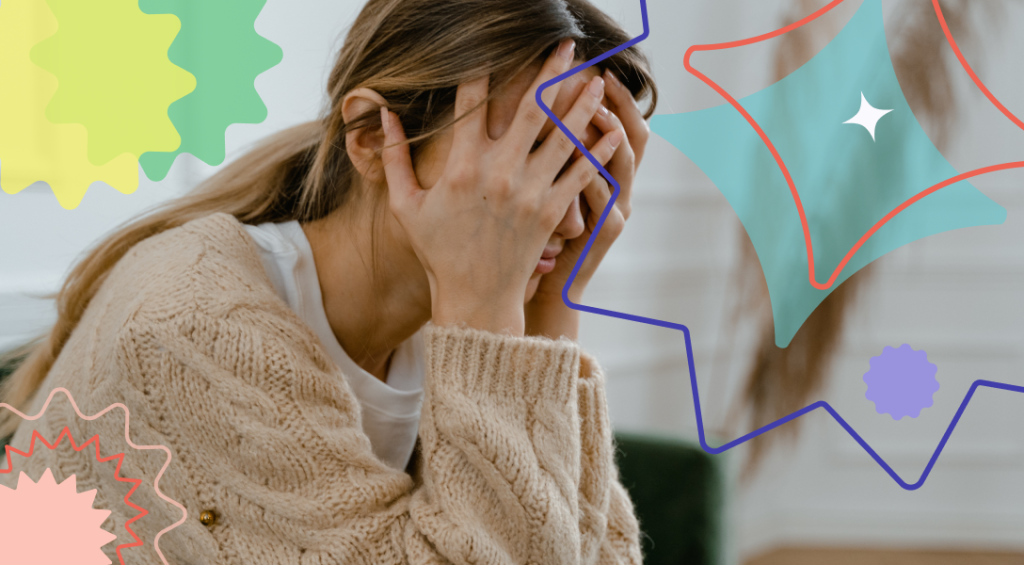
{"x":364,"y":144}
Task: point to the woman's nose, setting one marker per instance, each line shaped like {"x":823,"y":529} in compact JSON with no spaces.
{"x":571,"y":225}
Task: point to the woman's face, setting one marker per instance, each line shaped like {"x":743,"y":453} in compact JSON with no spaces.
{"x":430,"y":161}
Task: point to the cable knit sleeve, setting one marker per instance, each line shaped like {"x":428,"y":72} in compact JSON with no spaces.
{"x":608,"y":523}
{"x":516,"y":448}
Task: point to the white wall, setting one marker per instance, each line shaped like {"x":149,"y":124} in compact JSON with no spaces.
{"x":957,"y":295}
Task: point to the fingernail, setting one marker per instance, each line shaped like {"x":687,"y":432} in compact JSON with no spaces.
{"x":612,"y":78}
{"x":602,"y":110}
{"x":615,"y":138}
{"x":567,"y":49}
{"x":597,"y":86}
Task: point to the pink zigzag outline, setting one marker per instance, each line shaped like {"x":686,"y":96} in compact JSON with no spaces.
{"x":127,"y":416}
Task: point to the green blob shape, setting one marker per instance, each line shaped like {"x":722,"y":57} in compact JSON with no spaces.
{"x":846,"y":180}
{"x":110,"y":60}
{"x":218,"y":44}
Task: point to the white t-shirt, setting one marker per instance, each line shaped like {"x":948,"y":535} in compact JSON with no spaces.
{"x":391,"y":411}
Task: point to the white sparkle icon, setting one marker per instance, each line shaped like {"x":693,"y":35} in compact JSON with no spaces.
{"x":868,"y":116}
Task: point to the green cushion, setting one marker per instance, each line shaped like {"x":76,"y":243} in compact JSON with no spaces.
{"x":676,"y":488}
{"x":7,"y":366}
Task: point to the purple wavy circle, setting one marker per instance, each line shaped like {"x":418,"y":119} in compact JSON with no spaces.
{"x":901,"y":382}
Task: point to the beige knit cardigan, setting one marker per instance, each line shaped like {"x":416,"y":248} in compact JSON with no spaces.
{"x":516,"y":454}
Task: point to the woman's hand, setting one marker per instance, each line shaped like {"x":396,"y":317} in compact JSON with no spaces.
{"x":481,"y":229}
{"x":546,"y":313}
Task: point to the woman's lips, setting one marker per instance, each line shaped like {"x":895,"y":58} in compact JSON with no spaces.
{"x":545,"y":265}
{"x":547,"y":261}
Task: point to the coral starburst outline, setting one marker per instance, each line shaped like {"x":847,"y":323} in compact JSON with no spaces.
{"x":117,"y":474}
{"x":127,"y":416}
{"x":686,"y":331}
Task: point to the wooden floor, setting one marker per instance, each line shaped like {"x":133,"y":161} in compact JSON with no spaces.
{"x":883,"y":557}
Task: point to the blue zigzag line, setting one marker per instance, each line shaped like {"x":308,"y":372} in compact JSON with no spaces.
{"x":686,"y":331}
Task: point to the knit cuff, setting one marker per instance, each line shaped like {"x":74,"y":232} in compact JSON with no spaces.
{"x":596,"y":441}
{"x":592,"y":399}
{"x":593,"y":405}
{"x":486,"y":365}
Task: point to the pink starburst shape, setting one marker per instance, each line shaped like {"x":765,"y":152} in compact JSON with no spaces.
{"x":46,"y":522}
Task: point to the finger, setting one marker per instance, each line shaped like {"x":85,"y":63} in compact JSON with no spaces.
{"x":592,"y":134}
{"x":530,"y":118}
{"x":623,"y":169}
{"x":582,"y":171}
{"x":622,"y":165}
{"x":637,"y":129}
{"x":597,"y":195}
{"x":398,"y":169}
{"x":470,"y":128}
{"x":558,"y":147}
{"x":605,"y":120}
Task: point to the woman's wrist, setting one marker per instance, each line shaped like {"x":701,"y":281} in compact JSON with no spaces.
{"x":496,"y":316}
{"x":552,"y":318}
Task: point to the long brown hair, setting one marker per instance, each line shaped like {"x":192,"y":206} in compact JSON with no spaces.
{"x":414,"y":53}
{"x":781,"y":381}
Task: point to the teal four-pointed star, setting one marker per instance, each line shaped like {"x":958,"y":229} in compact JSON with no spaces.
{"x":846,"y":180}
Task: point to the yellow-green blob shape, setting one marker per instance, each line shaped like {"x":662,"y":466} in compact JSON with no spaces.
{"x":31,"y":147}
{"x":114,"y":76}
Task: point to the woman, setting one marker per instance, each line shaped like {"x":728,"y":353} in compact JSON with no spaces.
{"x":352,"y":339}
